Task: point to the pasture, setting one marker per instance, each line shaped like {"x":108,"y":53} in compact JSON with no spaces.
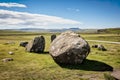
{"x":33,"y":66}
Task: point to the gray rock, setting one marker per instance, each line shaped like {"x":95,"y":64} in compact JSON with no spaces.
{"x":7,"y":59}
{"x":37,"y":45}
{"x":10,"y":52}
{"x":53,"y":37}
{"x":95,"y":46}
{"x":101,"y":47}
{"x":69,"y":48}
{"x":9,"y":42}
{"x":116,"y":74}
{"x":23,"y":44}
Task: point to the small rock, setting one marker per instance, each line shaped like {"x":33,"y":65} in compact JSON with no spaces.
{"x":10,"y":52}
{"x":10,"y":42}
{"x":7,"y":59}
{"x":23,"y":44}
{"x":94,"y":46}
{"x":53,"y":37}
{"x":101,"y":47}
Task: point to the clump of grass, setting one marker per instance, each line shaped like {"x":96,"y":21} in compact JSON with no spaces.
{"x":108,"y":77}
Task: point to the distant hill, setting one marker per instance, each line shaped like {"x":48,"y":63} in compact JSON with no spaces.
{"x":108,"y":30}
{"x":46,"y":30}
{"x":54,"y":30}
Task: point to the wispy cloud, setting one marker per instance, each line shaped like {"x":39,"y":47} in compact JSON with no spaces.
{"x":77,"y":10}
{"x":73,"y":9}
{"x":12,"y":5}
{"x":14,"y":18}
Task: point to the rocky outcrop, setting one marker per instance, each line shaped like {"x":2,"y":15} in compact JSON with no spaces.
{"x":101,"y":47}
{"x":37,"y":45}
{"x":69,"y":48}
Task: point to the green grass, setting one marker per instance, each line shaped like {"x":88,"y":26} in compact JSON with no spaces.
{"x":110,"y":30}
{"x":32,"y":66}
{"x":108,"y":77}
{"x":113,"y":30}
{"x":104,"y":37}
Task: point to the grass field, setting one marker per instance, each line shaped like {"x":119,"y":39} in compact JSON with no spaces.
{"x":32,"y":66}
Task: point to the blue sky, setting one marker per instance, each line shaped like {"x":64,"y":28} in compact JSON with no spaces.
{"x":82,"y":14}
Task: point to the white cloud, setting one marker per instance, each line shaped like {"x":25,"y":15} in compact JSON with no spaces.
{"x":24,"y":19}
{"x":12,"y":5}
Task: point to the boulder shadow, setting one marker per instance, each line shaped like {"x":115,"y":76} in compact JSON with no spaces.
{"x":45,"y":52}
{"x":89,"y":65}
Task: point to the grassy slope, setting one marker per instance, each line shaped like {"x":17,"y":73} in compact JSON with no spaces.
{"x":31,"y":66}
{"x":113,"y":30}
{"x":110,"y":30}
{"x":104,"y":37}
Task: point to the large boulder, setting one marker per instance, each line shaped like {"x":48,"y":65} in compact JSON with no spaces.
{"x":69,"y":48}
{"x":116,"y":74}
{"x":53,"y":37}
{"x":37,"y":45}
